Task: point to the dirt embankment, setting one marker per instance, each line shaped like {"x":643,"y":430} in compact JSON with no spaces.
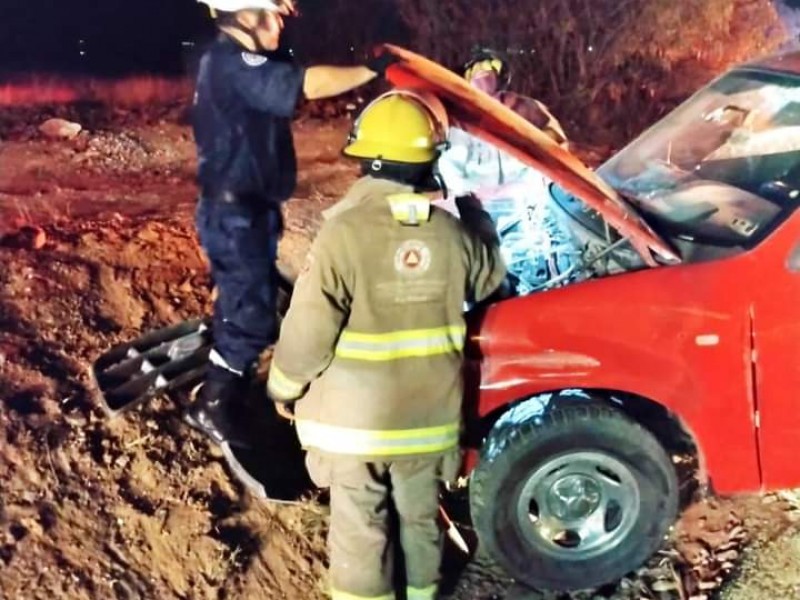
{"x":137,"y":507}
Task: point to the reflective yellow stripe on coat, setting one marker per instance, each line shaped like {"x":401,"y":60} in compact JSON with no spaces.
{"x":410,"y":209}
{"x":281,"y":387}
{"x":428,"y":593}
{"x":395,"y":345}
{"x":339,"y":595}
{"x":367,"y":442}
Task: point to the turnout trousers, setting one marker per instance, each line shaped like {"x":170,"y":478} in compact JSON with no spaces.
{"x":377,"y":510}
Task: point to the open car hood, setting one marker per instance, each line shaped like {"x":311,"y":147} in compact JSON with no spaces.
{"x":487,"y":118}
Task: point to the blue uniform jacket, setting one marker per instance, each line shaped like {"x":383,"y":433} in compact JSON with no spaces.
{"x":242,"y":113}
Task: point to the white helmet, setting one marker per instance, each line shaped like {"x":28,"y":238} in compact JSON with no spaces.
{"x":285,"y":7}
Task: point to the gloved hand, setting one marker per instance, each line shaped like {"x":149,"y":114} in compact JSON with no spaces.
{"x":285,"y":410}
{"x":477,"y":220}
{"x":378,"y":64}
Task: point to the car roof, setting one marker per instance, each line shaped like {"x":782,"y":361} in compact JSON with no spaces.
{"x":787,"y":62}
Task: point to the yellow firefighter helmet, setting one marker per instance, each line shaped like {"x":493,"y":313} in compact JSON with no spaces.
{"x":401,"y":126}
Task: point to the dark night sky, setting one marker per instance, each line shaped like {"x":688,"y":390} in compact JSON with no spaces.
{"x":133,"y":35}
{"x":145,"y":36}
{"x":119,"y":35}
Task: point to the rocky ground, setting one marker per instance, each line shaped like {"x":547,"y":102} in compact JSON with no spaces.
{"x":97,"y":245}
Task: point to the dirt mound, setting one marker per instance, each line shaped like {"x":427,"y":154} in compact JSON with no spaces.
{"x":137,"y":507}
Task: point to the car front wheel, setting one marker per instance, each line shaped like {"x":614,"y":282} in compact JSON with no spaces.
{"x":574,"y":498}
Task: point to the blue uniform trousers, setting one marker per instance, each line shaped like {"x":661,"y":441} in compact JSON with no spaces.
{"x":241,"y":242}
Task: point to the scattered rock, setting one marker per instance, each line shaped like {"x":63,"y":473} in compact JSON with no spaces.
{"x":28,"y":237}
{"x":38,"y":238}
{"x":118,"y":152}
{"x":60,"y":129}
{"x":80,"y":143}
{"x":710,"y":540}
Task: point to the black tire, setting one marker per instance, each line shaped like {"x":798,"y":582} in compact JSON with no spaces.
{"x":511,"y":465}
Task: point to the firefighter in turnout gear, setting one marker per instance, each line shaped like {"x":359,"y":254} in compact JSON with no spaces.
{"x":488,"y":71}
{"x":245,"y":97}
{"x":536,"y":247}
{"x":369,"y":360}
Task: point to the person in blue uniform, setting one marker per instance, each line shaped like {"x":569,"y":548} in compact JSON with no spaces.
{"x":245,"y":97}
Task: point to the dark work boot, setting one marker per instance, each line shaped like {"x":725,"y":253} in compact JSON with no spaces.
{"x":211,"y":412}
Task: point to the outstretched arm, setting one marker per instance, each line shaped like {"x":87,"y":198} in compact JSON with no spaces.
{"x":325,"y":82}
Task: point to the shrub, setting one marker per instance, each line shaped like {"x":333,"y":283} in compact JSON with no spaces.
{"x":605,"y":66}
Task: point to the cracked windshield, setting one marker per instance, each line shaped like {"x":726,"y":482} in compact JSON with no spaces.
{"x":724,"y":168}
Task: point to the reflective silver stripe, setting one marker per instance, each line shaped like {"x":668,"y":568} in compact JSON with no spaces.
{"x":215,"y":358}
{"x":395,"y":345}
{"x":367,"y":442}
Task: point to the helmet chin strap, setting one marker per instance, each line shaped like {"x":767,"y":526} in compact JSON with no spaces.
{"x":437,"y":177}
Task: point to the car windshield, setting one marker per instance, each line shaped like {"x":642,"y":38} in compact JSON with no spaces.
{"x":724,"y":168}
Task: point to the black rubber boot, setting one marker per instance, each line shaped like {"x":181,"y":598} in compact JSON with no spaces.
{"x":212,"y":412}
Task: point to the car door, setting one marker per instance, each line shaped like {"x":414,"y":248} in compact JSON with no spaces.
{"x":776,"y":343}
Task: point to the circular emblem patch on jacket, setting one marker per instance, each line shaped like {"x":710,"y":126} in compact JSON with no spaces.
{"x":412,"y":257}
{"x":253,"y":60}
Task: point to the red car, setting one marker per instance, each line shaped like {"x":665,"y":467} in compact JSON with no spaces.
{"x":682,"y":335}
{"x":587,"y":391}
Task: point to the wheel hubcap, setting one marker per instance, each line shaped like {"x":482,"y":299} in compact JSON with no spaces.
{"x":574,"y":497}
{"x":578,"y":505}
